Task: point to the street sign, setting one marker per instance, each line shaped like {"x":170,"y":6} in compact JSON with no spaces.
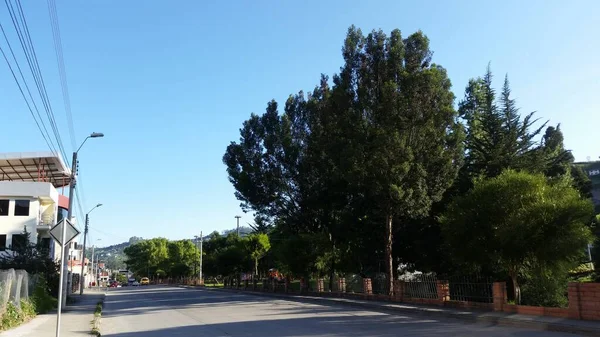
{"x":70,"y":234}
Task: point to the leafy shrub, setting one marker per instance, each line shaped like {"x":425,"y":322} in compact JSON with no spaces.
{"x":41,"y":298}
{"x":546,"y":288}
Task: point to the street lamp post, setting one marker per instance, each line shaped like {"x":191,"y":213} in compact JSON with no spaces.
{"x":62,"y":286}
{"x":87,"y":223}
{"x":238,"y":225}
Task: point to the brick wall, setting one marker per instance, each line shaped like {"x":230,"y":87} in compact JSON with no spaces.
{"x":584,"y":299}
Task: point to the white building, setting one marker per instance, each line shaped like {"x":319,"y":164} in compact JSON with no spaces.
{"x":29,"y":198}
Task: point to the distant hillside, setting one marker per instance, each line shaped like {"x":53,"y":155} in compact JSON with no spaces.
{"x":113,"y":255}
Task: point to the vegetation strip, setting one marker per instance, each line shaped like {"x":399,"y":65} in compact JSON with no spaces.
{"x":96,"y":321}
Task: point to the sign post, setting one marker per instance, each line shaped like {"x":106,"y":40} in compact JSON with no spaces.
{"x":63,"y":233}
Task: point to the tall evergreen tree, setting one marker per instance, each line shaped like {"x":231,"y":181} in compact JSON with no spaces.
{"x":403,"y":114}
{"x":497,"y":137}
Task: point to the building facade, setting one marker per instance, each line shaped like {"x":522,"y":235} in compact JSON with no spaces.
{"x":30,"y":200}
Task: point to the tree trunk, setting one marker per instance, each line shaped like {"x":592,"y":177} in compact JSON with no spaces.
{"x":332,"y":270}
{"x":389,"y":261}
{"x":516,"y":287}
{"x":256,"y":266}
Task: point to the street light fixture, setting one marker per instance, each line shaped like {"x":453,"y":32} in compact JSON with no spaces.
{"x":62,"y":286}
{"x":238,"y":225}
{"x":82,"y":276}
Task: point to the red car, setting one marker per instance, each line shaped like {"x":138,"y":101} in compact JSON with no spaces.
{"x":113,"y":284}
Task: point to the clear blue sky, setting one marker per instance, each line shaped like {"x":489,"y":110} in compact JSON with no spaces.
{"x":170,"y":82}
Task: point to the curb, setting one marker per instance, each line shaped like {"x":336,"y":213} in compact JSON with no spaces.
{"x":521,"y":321}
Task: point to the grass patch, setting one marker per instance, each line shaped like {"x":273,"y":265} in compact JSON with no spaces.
{"x":213,"y":285}
{"x":96,"y":321}
{"x":14,"y":316}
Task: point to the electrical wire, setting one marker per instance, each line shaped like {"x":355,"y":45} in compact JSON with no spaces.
{"x":109,"y":234}
{"x":45,"y":134}
{"x":22,"y":30}
{"x":61,"y":68}
{"x":40,"y":79}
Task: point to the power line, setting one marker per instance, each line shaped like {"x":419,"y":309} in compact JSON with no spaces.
{"x":40,"y":79}
{"x":109,"y":234}
{"x":46,"y":139}
{"x":61,"y":68}
{"x":26,"y":42}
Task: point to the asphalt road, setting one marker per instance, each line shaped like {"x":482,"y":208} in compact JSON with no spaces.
{"x":158,"y":311}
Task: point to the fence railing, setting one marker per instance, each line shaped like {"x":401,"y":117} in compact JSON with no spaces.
{"x":420,"y":286}
{"x":471,"y":289}
{"x":354,"y":284}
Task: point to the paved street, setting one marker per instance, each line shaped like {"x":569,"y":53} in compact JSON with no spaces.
{"x":171,"y":311}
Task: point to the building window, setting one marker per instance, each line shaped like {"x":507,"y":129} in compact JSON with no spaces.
{"x":4,"y":207}
{"x":2,"y":242}
{"x":19,"y":241}
{"x":22,"y":207}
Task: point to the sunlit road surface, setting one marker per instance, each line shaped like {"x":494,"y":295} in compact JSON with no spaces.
{"x":159,"y":311}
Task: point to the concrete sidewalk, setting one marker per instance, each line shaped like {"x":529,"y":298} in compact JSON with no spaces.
{"x":546,"y":323}
{"x":75,"y":321}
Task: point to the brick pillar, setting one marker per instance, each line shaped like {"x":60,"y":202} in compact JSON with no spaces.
{"x":443,"y":291}
{"x":320,"y":285}
{"x":399,"y":290}
{"x":574,"y":292}
{"x":341,"y":285}
{"x":499,"y":295}
{"x":302,"y":285}
{"x":367,"y":286}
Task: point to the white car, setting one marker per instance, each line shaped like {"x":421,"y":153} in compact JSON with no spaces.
{"x":135,"y":283}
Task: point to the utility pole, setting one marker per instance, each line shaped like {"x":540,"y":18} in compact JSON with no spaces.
{"x":238,"y":225}
{"x":92,"y":265}
{"x":82,"y":277}
{"x":87,"y":224}
{"x":64,"y":271}
{"x":200,"y":273}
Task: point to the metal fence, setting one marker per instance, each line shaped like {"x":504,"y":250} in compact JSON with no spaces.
{"x":471,"y":289}
{"x":15,"y":286}
{"x":354,"y":283}
{"x":380,"y":284}
{"x":420,"y":286}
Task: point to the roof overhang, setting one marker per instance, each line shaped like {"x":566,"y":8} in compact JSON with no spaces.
{"x":34,"y":166}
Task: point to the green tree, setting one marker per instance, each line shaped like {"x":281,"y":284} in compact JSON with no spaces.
{"x":257,"y":246}
{"x":405,"y":122}
{"x":518,"y":219}
{"x":497,"y":137}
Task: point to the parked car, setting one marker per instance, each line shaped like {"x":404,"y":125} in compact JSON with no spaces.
{"x":145,"y":281}
{"x":135,"y":283}
{"x":113,"y":284}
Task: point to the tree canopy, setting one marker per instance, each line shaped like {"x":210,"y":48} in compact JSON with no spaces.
{"x":518,"y":219}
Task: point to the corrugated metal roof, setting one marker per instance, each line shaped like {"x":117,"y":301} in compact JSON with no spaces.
{"x":34,"y":166}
